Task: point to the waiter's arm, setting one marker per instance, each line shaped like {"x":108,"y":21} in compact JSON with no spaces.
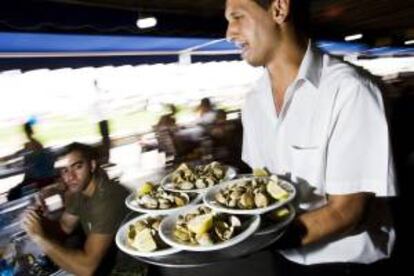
{"x":341,"y":215}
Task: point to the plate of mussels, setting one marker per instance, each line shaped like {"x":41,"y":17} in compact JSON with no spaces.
{"x":250,"y":195}
{"x":200,"y":228}
{"x":197,"y":178}
{"x":153,"y":199}
{"x":140,"y":237}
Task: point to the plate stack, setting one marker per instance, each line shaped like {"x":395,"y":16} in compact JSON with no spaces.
{"x":238,"y":212}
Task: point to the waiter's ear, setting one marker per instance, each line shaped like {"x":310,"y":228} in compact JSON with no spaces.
{"x":280,"y":10}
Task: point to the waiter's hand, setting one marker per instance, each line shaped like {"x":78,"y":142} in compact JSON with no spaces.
{"x":31,"y":223}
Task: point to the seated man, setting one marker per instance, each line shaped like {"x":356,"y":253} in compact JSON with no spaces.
{"x":95,"y":202}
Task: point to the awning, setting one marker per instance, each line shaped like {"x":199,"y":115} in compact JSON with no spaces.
{"x":39,"y":50}
{"x":49,"y":45}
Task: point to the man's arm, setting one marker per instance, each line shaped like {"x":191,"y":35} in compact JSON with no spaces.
{"x":79,"y":262}
{"x":341,"y":215}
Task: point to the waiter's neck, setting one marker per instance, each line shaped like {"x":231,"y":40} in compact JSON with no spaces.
{"x":286,"y":61}
{"x":284,"y":66}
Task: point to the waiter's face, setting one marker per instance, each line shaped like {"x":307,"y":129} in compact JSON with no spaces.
{"x":252,"y":28}
{"x":76,"y":171}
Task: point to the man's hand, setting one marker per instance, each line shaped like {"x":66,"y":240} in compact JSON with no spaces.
{"x":31,"y":223}
{"x":78,"y":262}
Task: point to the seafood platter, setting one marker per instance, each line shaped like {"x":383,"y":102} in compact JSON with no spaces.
{"x":197,"y":178}
{"x":154,"y":199}
{"x":204,"y":214}
{"x":250,"y":195}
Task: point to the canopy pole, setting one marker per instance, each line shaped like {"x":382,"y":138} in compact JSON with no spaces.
{"x":184,"y":56}
{"x":184,"y":59}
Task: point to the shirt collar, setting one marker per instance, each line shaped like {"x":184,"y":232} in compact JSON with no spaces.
{"x":311,"y":67}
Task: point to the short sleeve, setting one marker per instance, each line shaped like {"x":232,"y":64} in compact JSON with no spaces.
{"x":110,"y":212}
{"x":72,"y":205}
{"x":359,"y":157}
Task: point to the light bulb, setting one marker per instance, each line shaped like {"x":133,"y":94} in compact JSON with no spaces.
{"x":353,"y":37}
{"x":146,"y":22}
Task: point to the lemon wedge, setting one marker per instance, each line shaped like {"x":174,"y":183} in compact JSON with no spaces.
{"x":260,"y":172}
{"x":280,"y":214}
{"x":145,"y":188}
{"x":275,"y":190}
{"x":143,"y":241}
{"x":200,"y":224}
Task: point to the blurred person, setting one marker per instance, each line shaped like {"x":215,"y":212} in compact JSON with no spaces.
{"x":32,"y":143}
{"x":226,"y":136}
{"x":323,"y":122}
{"x":178,"y":141}
{"x":221,"y":133}
{"x":192,"y":140}
{"x":167,"y":121}
{"x":104,"y":148}
{"x":206,"y":112}
{"x":219,"y":126}
{"x":37,"y":163}
{"x":165,"y":130}
{"x":94,"y":202}
{"x":227,"y":141}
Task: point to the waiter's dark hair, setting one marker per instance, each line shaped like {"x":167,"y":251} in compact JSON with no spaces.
{"x":88,"y":152}
{"x":299,"y":12}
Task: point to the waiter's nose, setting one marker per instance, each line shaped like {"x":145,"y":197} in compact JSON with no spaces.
{"x":231,"y":32}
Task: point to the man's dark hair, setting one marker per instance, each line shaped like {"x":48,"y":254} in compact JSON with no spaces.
{"x":88,"y":152}
{"x":299,"y":12}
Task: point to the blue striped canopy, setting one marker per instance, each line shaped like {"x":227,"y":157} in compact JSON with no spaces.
{"x":36,"y":50}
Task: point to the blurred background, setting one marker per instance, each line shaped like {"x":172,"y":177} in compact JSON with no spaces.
{"x":141,"y":79}
{"x":67,"y":64}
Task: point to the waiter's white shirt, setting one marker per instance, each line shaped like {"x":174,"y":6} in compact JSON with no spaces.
{"x":331,"y":134}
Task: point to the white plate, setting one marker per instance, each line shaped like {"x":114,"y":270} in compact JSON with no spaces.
{"x":168,"y":185}
{"x":132,"y":204}
{"x":167,"y":227}
{"x":121,"y":242}
{"x":211,"y":202}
